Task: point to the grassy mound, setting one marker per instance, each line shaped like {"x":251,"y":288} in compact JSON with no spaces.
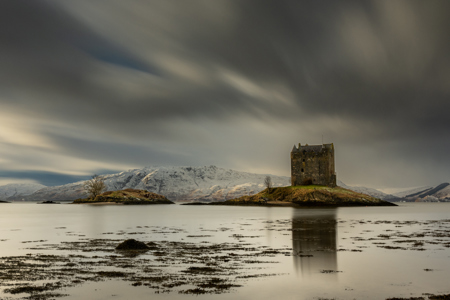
{"x":127,"y":196}
{"x":309,"y":195}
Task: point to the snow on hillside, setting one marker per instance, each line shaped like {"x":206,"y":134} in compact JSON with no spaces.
{"x":443,"y":193}
{"x":19,"y":189}
{"x":412,"y":191}
{"x":208,"y":183}
{"x":205,"y":183}
{"x":440,"y":192}
{"x":369,"y":191}
{"x":69,"y":191}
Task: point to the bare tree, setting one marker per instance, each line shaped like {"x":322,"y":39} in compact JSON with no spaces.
{"x":268,"y":182}
{"x":94,"y":186}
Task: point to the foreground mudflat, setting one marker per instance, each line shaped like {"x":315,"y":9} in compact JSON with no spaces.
{"x":182,"y":267}
{"x":223,"y":252}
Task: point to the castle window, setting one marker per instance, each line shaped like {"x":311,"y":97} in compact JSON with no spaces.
{"x":303,"y":160}
{"x":302,"y":170}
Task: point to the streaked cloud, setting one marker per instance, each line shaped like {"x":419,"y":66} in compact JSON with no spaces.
{"x":96,"y":85}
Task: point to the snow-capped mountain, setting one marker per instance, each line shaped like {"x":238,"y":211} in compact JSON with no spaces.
{"x":369,"y":191}
{"x":437,"y":193}
{"x":208,"y":183}
{"x":409,"y":191}
{"x":18,"y":190}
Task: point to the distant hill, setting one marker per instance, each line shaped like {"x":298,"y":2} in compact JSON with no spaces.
{"x":439,"y":193}
{"x":18,"y":190}
{"x":208,"y":183}
{"x":409,"y":191}
{"x":370,"y":191}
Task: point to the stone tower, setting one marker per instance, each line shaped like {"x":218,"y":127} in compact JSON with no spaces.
{"x":313,"y":165}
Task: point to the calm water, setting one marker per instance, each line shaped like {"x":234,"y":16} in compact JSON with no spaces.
{"x":343,"y":253}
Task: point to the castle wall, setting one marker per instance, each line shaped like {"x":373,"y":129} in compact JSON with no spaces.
{"x":313,"y":165}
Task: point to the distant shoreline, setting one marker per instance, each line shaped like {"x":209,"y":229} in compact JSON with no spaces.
{"x":99,"y":203}
{"x":304,"y":196}
{"x":285,"y":204}
{"x":126,"y":197}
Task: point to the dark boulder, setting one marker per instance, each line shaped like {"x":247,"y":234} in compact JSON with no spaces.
{"x":132,"y":244}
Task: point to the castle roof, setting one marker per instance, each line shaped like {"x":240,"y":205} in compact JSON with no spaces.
{"x":312,"y":148}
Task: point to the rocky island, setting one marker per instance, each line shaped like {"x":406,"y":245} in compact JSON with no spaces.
{"x":307,"y":195}
{"x":126,"y":196}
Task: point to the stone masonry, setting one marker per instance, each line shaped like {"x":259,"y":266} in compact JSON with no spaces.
{"x":313,"y":165}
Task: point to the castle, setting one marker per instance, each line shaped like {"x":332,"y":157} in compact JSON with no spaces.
{"x":313,"y":165}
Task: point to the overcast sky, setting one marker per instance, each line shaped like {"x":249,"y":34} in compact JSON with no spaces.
{"x":108,"y":85}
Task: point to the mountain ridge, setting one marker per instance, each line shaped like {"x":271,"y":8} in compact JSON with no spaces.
{"x":370,"y":191}
{"x":19,"y":189}
{"x":439,"y":193}
{"x":205,"y":183}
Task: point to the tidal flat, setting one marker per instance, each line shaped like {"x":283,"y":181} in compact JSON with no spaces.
{"x":69,"y":252}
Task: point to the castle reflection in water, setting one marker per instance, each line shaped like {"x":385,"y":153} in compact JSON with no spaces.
{"x":314,"y":241}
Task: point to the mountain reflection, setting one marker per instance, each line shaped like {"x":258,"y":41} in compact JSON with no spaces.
{"x":314,"y":241}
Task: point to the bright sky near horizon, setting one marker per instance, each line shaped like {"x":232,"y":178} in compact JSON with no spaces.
{"x":108,"y":85}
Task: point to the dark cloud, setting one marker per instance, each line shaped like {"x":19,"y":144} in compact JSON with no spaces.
{"x":166,"y":82}
{"x":110,"y":151}
{"x":45,"y":178}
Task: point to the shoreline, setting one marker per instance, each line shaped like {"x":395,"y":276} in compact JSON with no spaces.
{"x":100,"y":203}
{"x":286,"y":204}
